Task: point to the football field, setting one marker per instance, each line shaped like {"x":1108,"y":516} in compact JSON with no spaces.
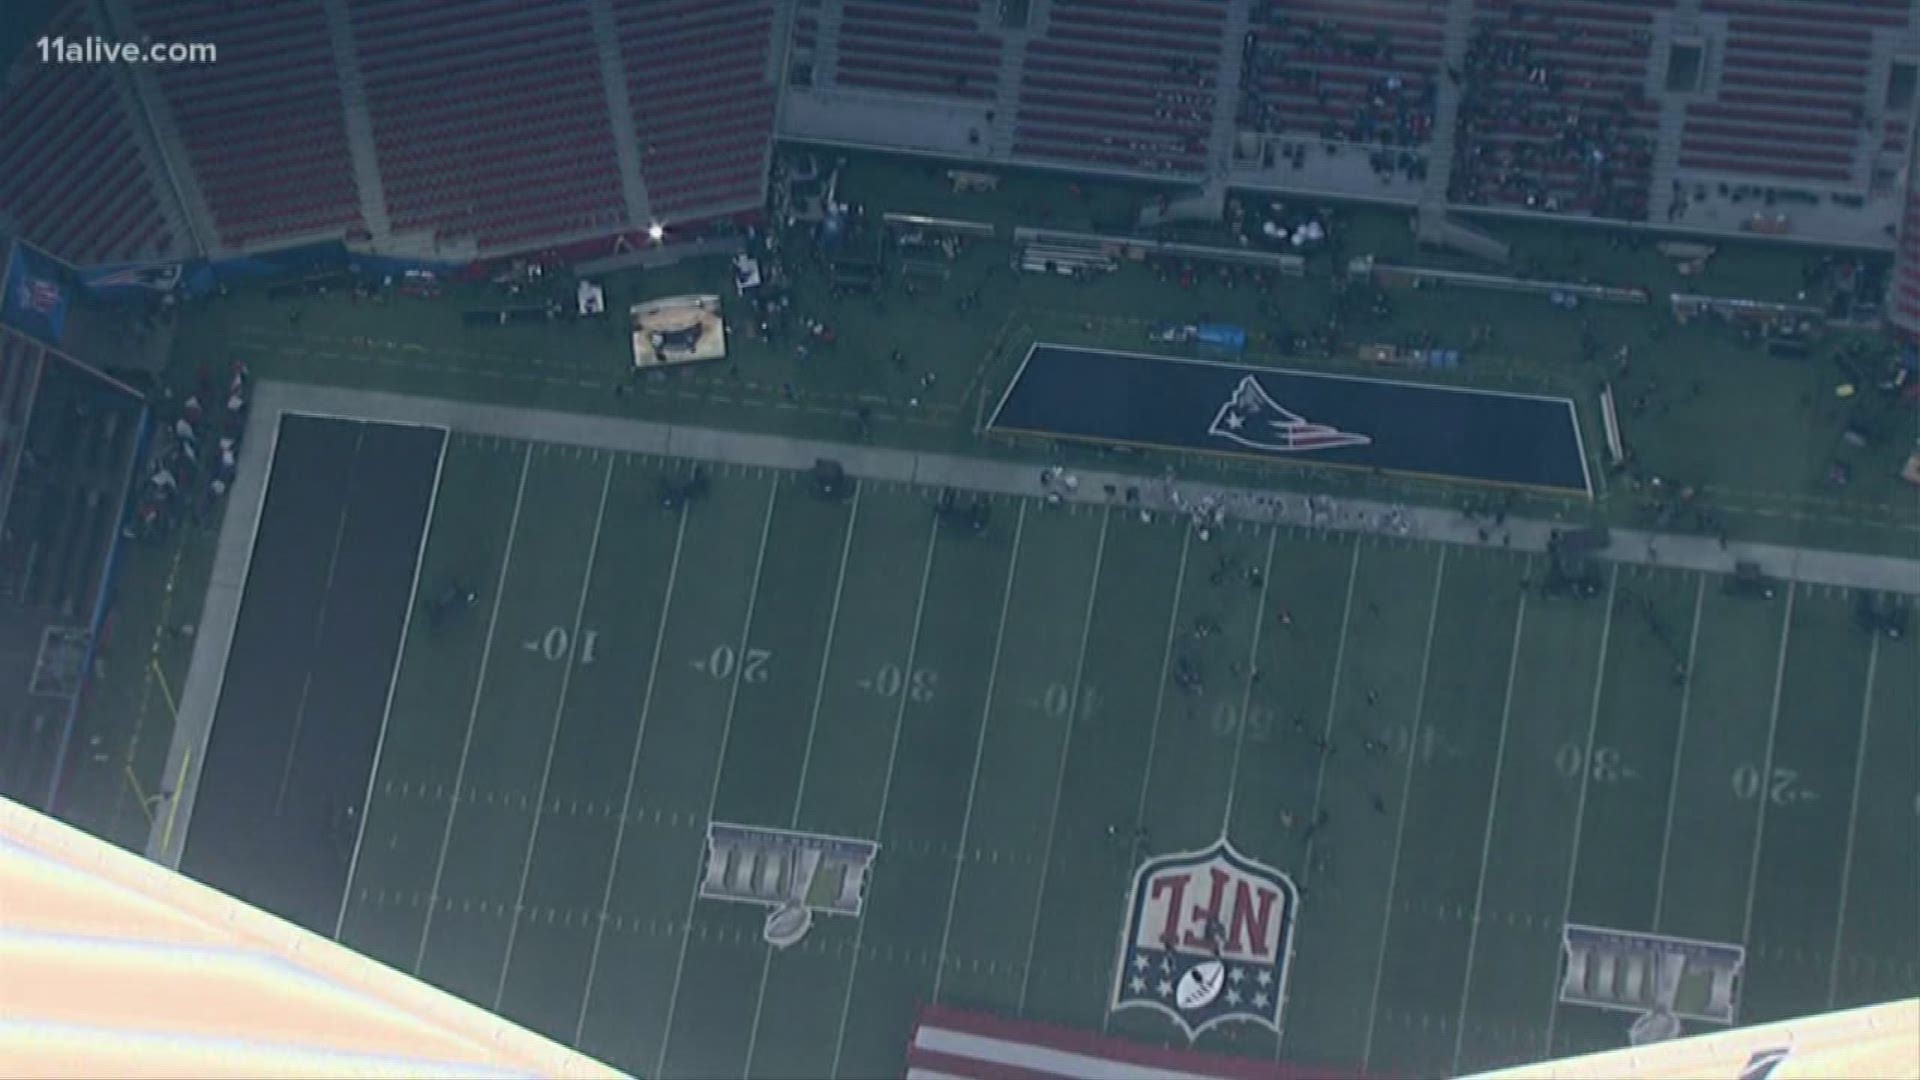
{"x":1000,"y":714}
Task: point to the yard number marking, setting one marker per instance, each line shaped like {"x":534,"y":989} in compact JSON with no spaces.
{"x":1783,"y":788}
{"x":556,"y":644}
{"x":891,"y":679}
{"x":719,"y":664}
{"x":1604,"y":769}
{"x":1058,"y":701}
{"x":1258,"y":720}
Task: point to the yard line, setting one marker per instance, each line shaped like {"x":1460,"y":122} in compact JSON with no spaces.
{"x":633,"y":770}
{"x":553,"y":738}
{"x":1159,"y":703}
{"x":1246,"y":696}
{"x":473,"y":712}
{"x":319,"y":630}
{"x":1400,"y":824}
{"x":979,"y":750}
{"x":1853,"y":824}
{"x":1333,"y":694}
{"x":806,"y":756}
{"x":1766,"y":769}
{"x":1679,"y":755}
{"x":393,"y":684}
{"x":719,"y":770}
{"x":886,"y":785}
{"x":1586,"y":774}
{"x":1060,"y":777}
{"x":1486,"y":841}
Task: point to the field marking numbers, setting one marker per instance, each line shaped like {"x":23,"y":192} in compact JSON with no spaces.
{"x":1580,"y":804}
{"x":1773,"y":729}
{"x":633,"y":771}
{"x":473,"y":712}
{"x":806,"y":756}
{"x":1486,"y":841}
{"x":393,"y":684}
{"x":1060,"y":776}
{"x":1400,"y":823}
{"x":1679,"y":754}
{"x":1853,"y":823}
{"x":553,"y":739}
{"x":979,"y":751}
{"x":1333,"y":702}
{"x":719,"y":770}
{"x":886,"y":790}
{"x":1159,"y":706}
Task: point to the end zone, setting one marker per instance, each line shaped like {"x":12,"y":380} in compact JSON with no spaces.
{"x":1442,"y":432}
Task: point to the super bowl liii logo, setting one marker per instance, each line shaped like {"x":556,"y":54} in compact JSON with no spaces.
{"x":792,"y":873}
{"x":1207,"y":939}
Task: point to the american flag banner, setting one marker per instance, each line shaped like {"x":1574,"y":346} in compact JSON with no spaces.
{"x":952,"y":1044}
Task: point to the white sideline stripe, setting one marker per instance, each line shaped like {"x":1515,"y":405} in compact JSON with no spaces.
{"x":633,"y":771}
{"x":1853,"y":823}
{"x":393,"y":684}
{"x":1159,"y":705}
{"x":1066,"y":751}
{"x":553,"y":737}
{"x":979,"y":752}
{"x":1400,"y":824}
{"x":473,"y":713}
{"x":1766,"y":770}
{"x":806,"y":757}
{"x":1486,"y":842}
{"x":719,"y":770}
{"x":1586,"y":775}
{"x":886,"y":786}
{"x":1679,"y":756}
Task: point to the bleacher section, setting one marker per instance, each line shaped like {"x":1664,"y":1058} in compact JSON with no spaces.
{"x":930,"y":47}
{"x":1794,"y":89}
{"x":263,"y":126}
{"x":490,"y":120}
{"x":70,"y":439}
{"x":60,"y":123}
{"x":1554,"y":113}
{"x":1123,"y":84}
{"x":698,"y":78}
{"x":1355,"y":71}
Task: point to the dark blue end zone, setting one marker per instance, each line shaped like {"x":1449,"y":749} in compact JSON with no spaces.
{"x":1279,"y":415}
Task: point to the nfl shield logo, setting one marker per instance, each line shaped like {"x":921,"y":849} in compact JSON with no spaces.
{"x":1207,"y":939}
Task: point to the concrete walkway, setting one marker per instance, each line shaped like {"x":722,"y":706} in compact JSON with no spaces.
{"x":214,"y":639}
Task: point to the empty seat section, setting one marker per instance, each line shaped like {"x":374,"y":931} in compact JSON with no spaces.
{"x":490,"y":119}
{"x":1794,"y":89}
{"x":62,"y":123}
{"x":697,"y":75}
{"x":918,"y":46}
{"x":1130,"y":84}
{"x":1554,"y":113}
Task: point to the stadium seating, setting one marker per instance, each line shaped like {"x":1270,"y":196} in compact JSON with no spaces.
{"x":1359,"y":71}
{"x":932,"y":47}
{"x":697,"y":76}
{"x":1554,"y":113}
{"x":1794,"y":89}
{"x":263,"y":126}
{"x":62,"y":122}
{"x":490,"y":120}
{"x":1127,"y":84}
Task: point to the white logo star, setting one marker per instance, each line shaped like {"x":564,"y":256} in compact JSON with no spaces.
{"x":1164,"y":988}
{"x":1233,"y":997}
{"x":1266,"y":977}
{"x":1260,"y":1000}
{"x":1236,"y":421}
{"x":1137,"y":984}
{"x":1140,"y":962}
{"x":1235,"y":975}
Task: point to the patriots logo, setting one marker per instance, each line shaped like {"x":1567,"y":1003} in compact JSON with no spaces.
{"x":1207,"y":940}
{"x":1252,"y":418}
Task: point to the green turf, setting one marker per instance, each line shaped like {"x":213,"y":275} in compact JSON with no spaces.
{"x":987,"y":709}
